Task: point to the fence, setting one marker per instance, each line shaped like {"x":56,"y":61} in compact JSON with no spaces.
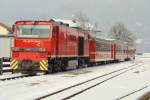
{"x":5,"y":65}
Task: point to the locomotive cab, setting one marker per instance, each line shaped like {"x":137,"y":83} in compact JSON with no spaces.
{"x":32,"y":43}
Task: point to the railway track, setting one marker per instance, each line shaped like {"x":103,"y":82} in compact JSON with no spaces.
{"x":135,"y":91}
{"x":79,"y":88}
{"x":14,"y":77}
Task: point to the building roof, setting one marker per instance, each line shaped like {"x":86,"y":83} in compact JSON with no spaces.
{"x":6,"y":26}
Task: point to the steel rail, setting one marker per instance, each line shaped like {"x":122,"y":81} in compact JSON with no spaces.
{"x":67,"y":88}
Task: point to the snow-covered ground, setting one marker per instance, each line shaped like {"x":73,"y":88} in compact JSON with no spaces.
{"x":121,"y":86}
{"x":29,"y":88}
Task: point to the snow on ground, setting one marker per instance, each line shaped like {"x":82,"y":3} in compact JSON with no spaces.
{"x":121,"y":85}
{"x":31,"y":87}
{"x":9,"y":74}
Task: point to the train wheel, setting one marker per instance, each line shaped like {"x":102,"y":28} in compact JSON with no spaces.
{"x":50,"y":69}
{"x":57,"y":66}
{"x":64,"y":65}
{"x":81,"y":63}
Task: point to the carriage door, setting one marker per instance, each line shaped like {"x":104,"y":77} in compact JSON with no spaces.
{"x":114,"y":51}
{"x":81,"y":46}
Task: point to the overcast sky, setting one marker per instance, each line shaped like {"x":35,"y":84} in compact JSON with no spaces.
{"x":135,"y":14}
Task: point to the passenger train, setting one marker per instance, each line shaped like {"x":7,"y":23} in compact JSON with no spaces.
{"x":52,"y":46}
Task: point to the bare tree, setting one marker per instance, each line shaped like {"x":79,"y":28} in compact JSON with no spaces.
{"x":82,"y":20}
{"x":121,"y":33}
{"x":84,"y":23}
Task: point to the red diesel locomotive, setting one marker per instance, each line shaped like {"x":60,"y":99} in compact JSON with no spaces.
{"x":50,"y":46}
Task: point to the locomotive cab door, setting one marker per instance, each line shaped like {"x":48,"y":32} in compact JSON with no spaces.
{"x":55,"y":37}
{"x":81,"y":46}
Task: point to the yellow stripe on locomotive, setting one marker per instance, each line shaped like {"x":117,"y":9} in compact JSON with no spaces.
{"x":44,"y":65}
{"x":14,"y":64}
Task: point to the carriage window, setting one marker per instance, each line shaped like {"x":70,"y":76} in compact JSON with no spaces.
{"x":102,"y":46}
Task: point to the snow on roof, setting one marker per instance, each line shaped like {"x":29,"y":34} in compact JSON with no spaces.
{"x":4,"y":29}
{"x":75,"y":24}
{"x":105,"y":38}
{"x":70,"y":22}
{"x":6,"y":26}
{"x":109,"y":39}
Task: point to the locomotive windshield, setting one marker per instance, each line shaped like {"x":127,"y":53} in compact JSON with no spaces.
{"x":33,"y":31}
